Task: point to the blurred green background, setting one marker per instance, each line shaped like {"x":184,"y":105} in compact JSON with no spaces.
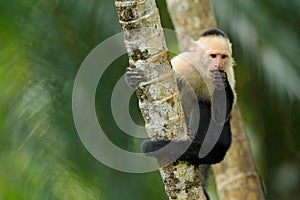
{"x":44,"y":42}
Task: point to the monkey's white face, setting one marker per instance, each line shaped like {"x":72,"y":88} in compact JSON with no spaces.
{"x":217,"y":60}
{"x":207,"y":54}
{"x":216,"y":53}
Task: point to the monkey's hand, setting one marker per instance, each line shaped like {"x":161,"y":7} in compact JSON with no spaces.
{"x":220,"y":79}
{"x":133,"y":78}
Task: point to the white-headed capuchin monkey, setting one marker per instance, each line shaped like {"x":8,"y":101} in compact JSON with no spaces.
{"x":208,"y":68}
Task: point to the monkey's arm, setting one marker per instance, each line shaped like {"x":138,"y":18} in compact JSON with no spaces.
{"x":222,"y":98}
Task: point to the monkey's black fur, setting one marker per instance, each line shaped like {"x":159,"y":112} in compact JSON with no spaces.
{"x":210,"y":116}
{"x":216,"y":32}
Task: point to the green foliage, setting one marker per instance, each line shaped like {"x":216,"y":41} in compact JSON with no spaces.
{"x":43,"y":43}
{"x":42,"y":46}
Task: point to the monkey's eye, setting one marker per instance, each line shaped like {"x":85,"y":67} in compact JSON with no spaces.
{"x":213,"y":55}
{"x":224,"y":56}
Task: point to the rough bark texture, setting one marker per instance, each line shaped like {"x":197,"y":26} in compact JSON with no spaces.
{"x":236,"y":176}
{"x":158,"y":96}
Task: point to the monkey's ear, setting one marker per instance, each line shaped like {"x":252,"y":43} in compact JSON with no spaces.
{"x":194,"y":46}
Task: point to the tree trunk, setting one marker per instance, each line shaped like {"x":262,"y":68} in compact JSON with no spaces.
{"x":190,"y":18}
{"x":158,"y":96}
{"x":236,"y":176}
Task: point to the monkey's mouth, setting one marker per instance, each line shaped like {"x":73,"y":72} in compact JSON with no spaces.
{"x":210,"y":74}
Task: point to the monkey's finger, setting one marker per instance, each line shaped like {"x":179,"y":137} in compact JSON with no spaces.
{"x":223,"y":74}
{"x":134,"y":79}
{"x":129,"y":69}
{"x":220,"y":84}
{"x":133,"y":72}
{"x":220,"y":81}
{"x":134,"y":75}
{"x":133,"y":84}
{"x":220,"y":78}
{"x":219,"y":73}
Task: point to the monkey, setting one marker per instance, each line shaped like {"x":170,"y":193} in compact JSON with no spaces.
{"x":207,"y":67}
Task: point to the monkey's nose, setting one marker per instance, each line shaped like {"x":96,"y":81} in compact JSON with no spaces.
{"x":219,"y":66}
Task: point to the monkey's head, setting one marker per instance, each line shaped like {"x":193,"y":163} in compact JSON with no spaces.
{"x":214,"y":49}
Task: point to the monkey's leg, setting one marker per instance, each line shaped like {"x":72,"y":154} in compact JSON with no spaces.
{"x":172,"y":150}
